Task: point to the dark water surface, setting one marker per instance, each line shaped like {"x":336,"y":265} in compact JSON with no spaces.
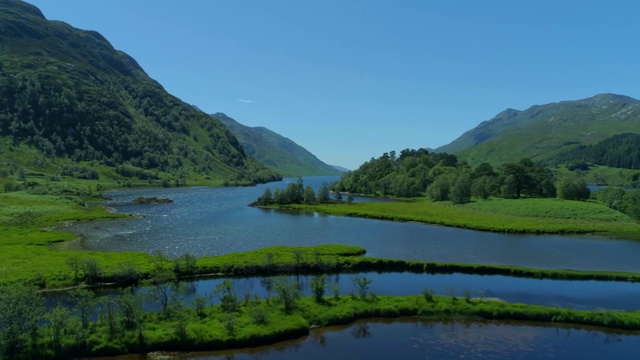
{"x":213,"y":221}
{"x":412,"y":339}
{"x":416,"y":339}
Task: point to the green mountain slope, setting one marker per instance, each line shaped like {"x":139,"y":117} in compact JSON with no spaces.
{"x":543,"y":131}
{"x":276,"y":151}
{"x":71,"y":95}
{"x":619,"y":151}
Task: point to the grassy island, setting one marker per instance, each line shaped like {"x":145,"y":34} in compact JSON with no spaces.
{"x":525,"y":215}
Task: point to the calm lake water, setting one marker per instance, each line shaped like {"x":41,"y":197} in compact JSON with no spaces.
{"x":213,"y":221}
{"x":411,"y":339}
{"x":414,"y":339}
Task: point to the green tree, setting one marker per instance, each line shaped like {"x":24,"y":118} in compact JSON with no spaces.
{"x":92,"y":270}
{"x":361,"y":283}
{"x":58,"y":319}
{"x":309,"y":195}
{"x":573,"y":188}
{"x":110,"y":315}
{"x":288,"y":292}
{"x":323,"y":193}
{"x":461,"y":190}
{"x":76,"y":265}
{"x":266,"y":199}
{"x":228,"y":298}
{"x":440,"y":189}
{"x":164,"y":289}
{"x":21,"y":311}
{"x":318,"y":286}
{"x":131,"y":308}
{"x":86,"y":302}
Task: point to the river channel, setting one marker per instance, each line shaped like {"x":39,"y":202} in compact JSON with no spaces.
{"x":213,"y":221}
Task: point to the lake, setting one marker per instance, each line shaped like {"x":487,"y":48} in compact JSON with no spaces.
{"x":213,"y":221}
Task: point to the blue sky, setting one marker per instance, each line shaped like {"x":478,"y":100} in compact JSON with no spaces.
{"x":349,"y":79}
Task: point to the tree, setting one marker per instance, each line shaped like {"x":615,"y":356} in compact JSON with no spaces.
{"x":461,"y":190}
{"x":75,"y":265}
{"x":163,"y":289}
{"x":228,"y":299}
{"x":309,"y":195}
{"x":362,"y":286}
{"x":349,"y":198}
{"x":21,"y":310}
{"x":86,"y":302}
{"x":483,"y":187}
{"x":92,"y":270}
{"x":266,"y":199}
{"x":288,"y":292}
{"x":130,"y":306}
{"x":58,"y":319}
{"x":610,"y":196}
{"x":318,"y":285}
{"x":323,"y":193}
{"x":440,"y":189}
{"x":337,"y":195}
{"x":109,"y":315}
{"x":572,"y":188}
{"x":185,"y":264}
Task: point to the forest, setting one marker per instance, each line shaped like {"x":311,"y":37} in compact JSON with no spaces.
{"x":619,"y":151}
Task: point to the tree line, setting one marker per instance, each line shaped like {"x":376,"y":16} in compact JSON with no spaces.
{"x":297,"y":193}
{"x":442,"y":177}
{"x":123,"y":322}
{"x":619,"y":151}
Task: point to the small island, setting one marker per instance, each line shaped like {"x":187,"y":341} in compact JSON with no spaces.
{"x":152,"y":200}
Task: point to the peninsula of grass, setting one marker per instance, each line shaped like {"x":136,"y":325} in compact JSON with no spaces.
{"x":526,"y":215}
{"x":264,"y":321}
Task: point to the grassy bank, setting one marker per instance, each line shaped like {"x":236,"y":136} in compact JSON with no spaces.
{"x":26,"y":237}
{"x":25,"y":241}
{"x":260,"y":322}
{"x":547,"y":216}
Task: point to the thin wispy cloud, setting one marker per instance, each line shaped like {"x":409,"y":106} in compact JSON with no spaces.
{"x":246,"y":101}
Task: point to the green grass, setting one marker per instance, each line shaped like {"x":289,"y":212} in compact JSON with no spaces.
{"x":26,"y":238}
{"x":499,"y":215}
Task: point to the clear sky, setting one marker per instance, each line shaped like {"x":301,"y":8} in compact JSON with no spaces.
{"x":352,"y":79}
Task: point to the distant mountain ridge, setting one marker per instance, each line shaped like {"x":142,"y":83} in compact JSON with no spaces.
{"x":70,"y":94}
{"x":276,"y":151}
{"x":543,"y":131}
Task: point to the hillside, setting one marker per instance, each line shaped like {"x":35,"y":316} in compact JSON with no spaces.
{"x":619,"y":151}
{"x":276,"y":151}
{"x":69,"y":94}
{"x":544,"y":131}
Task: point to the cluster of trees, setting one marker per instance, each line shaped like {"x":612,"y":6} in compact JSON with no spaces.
{"x":297,"y":193}
{"x":619,"y":151}
{"x":442,"y":177}
{"x":79,"y":172}
{"x":29,"y":329}
{"x":625,"y":201}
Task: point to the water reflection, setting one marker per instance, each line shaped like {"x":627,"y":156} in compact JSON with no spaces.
{"x":417,"y":339}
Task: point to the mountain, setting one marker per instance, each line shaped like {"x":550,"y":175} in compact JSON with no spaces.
{"x":543,"y":131}
{"x":276,"y":151}
{"x":71,"y":95}
{"x":340,"y":168}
